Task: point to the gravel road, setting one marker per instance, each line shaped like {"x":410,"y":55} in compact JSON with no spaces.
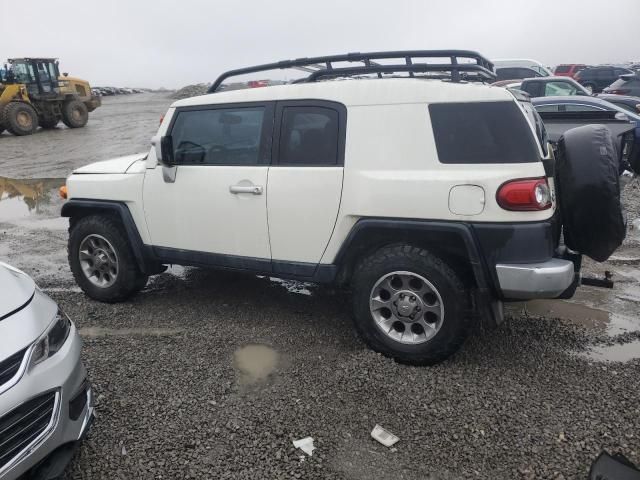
{"x":183,"y":391}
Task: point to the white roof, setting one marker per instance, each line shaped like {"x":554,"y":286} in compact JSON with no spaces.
{"x":354,"y":92}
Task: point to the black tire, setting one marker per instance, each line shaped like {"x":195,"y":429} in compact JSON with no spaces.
{"x":49,"y":123}
{"x":129,"y":279}
{"x":455,"y":321}
{"x":20,"y":118}
{"x":588,"y":189}
{"x":75,"y":114}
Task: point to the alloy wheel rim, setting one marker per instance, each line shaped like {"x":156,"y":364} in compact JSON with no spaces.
{"x":406,"y":307}
{"x":98,"y":260}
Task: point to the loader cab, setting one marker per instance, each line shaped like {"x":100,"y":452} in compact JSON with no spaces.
{"x":39,"y":75}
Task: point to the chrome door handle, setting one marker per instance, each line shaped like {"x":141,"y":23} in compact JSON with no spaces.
{"x":254,"y":189}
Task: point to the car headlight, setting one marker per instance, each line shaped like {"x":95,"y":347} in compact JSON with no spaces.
{"x":52,"y":340}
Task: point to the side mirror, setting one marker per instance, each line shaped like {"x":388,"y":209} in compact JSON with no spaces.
{"x":622,"y":116}
{"x":164,"y":149}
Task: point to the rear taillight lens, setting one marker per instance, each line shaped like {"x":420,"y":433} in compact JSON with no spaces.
{"x":525,"y":195}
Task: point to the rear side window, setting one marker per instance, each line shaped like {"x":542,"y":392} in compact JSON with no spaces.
{"x":563,"y":68}
{"x":309,"y":136}
{"x":487,"y":132}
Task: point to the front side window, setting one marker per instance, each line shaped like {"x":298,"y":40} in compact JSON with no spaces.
{"x":309,"y":136}
{"x":482,"y":132}
{"x":218,"y":136}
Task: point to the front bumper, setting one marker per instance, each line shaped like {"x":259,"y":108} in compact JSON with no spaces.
{"x":65,"y":375}
{"x":535,"y":280}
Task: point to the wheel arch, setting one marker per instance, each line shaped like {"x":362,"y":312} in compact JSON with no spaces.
{"x":454,"y":242}
{"x":75,"y":209}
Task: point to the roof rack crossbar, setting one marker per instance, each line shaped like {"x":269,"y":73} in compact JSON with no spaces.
{"x":322,"y":67}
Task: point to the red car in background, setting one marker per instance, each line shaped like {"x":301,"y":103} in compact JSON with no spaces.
{"x":568,"y":69}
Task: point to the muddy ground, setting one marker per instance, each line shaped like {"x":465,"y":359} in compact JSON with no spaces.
{"x":182,"y":392}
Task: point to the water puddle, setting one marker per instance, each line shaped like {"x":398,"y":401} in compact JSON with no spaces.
{"x":255,"y":363}
{"x":93,"y":332}
{"x":624,"y":352}
{"x":580,"y":314}
{"x":22,"y":198}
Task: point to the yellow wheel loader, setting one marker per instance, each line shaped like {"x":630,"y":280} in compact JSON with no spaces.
{"x":32,"y":94}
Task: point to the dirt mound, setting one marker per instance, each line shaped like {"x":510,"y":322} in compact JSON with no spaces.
{"x":191,"y":91}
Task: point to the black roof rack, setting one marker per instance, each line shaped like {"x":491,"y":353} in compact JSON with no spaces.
{"x":474,"y":66}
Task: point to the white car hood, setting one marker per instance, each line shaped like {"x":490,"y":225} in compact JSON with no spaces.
{"x":17,"y":289}
{"x":116,"y":165}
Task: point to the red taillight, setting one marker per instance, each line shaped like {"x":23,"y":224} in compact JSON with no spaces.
{"x":525,"y":195}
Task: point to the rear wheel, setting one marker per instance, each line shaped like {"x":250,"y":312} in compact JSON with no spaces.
{"x":407,"y":305}
{"x":75,"y":114}
{"x":101,"y":260}
{"x":20,"y":118}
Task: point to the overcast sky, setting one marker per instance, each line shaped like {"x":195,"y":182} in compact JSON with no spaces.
{"x":155,"y":43}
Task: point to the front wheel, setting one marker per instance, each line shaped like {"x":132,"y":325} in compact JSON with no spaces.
{"x":101,"y":259}
{"x":409,"y":305}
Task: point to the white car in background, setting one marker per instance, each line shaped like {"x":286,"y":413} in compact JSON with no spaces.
{"x":514,"y":68}
{"x":46,"y":402}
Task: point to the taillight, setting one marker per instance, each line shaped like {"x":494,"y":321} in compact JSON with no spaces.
{"x":525,"y":195}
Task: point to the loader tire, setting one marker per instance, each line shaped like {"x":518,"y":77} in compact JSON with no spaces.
{"x":75,"y":114}
{"x":20,"y":118}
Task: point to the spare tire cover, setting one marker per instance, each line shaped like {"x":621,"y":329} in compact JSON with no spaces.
{"x":589,"y":191}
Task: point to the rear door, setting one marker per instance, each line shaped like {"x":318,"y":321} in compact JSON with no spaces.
{"x":305,"y":182}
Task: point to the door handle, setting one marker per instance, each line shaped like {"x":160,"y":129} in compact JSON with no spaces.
{"x":254,"y":189}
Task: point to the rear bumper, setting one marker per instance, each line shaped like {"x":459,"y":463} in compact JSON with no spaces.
{"x":535,"y":280}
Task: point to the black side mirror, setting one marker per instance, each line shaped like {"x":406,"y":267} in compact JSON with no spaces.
{"x":166,"y":149}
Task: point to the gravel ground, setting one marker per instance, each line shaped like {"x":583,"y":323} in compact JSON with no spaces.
{"x":178,"y":396}
{"x":515,"y":403}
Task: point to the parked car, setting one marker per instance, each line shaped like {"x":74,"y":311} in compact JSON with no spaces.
{"x":595,"y":79}
{"x":552,"y":86}
{"x":568,"y":69}
{"x":628,"y":147}
{"x":502,"y":66}
{"x":429,"y":231}
{"x":632,"y":104}
{"x":46,"y":404}
{"x":625,"y":85}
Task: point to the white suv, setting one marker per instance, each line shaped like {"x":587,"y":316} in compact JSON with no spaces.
{"x":428,"y":197}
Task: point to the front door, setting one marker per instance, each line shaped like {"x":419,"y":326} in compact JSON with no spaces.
{"x":214,"y":212}
{"x":305,"y":182}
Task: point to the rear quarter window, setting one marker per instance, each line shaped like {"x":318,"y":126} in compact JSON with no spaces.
{"x":483,"y":132}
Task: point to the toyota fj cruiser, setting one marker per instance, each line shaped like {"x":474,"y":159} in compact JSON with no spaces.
{"x":429,"y":196}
